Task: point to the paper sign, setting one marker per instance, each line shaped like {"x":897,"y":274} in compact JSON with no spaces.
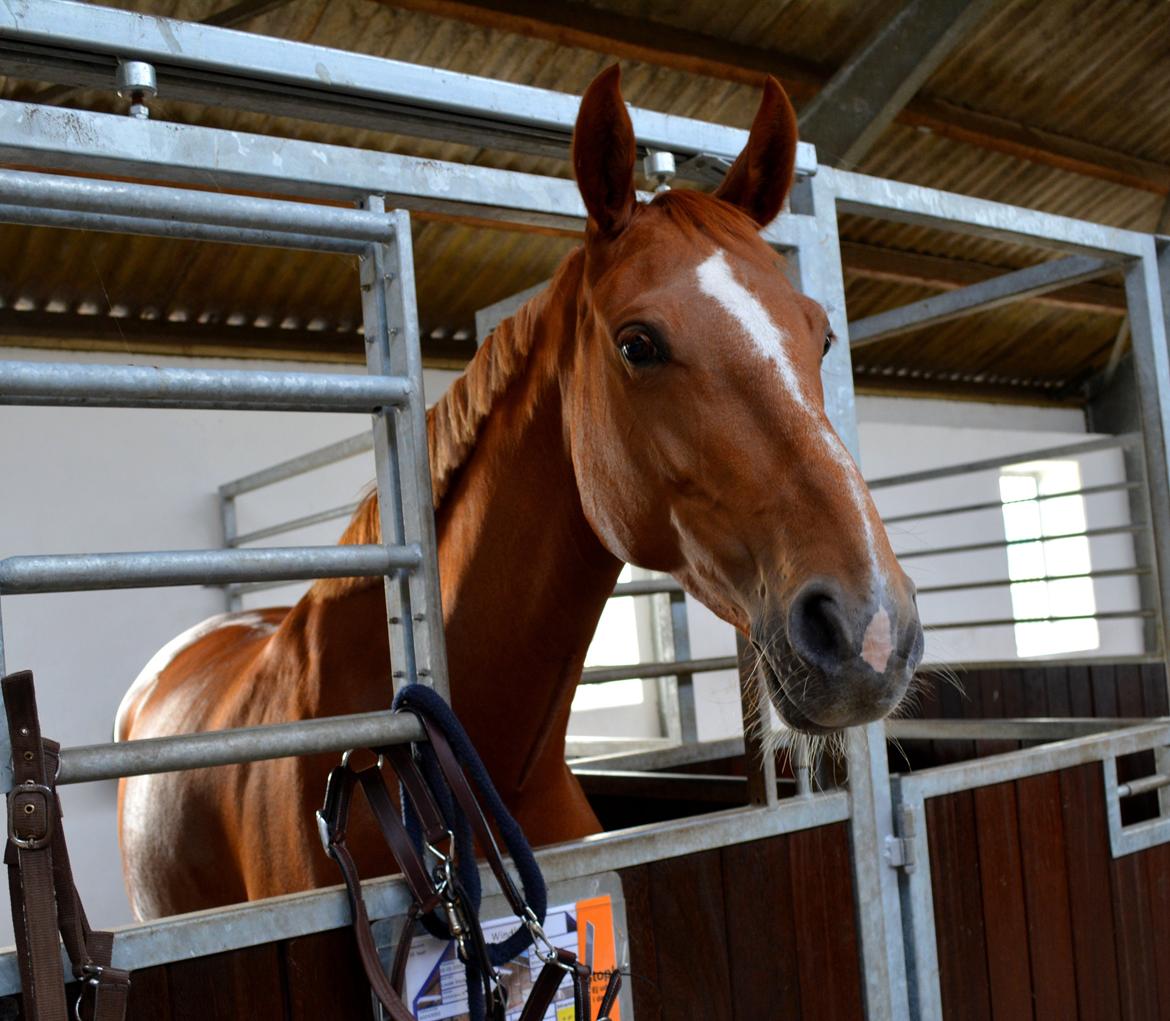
{"x":436,"y":986}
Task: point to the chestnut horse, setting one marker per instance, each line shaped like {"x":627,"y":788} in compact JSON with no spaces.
{"x":659,"y":403}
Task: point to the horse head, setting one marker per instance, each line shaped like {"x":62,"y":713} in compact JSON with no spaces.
{"x":696,"y":422}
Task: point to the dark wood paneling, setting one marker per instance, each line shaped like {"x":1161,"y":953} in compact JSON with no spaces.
{"x":763,"y":943}
{"x":150,"y":995}
{"x":1103,"y":680}
{"x":1002,"y":887}
{"x":1154,"y":694}
{"x":1086,"y":835}
{"x":324,"y":978}
{"x":823,"y":914}
{"x":1157,"y":862}
{"x":226,"y":987}
{"x":1046,"y":894}
{"x":686,"y":898}
{"x":958,"y":908}
{"x":1137,"y":964}
{"x":643,"y":976}
{"x":1080,"y":691}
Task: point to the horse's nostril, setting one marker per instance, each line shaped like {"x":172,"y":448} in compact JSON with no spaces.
{"x":818,"y":630}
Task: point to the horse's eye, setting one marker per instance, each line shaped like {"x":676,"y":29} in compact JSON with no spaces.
{"x":638,"y":348}
{"x":830,"y":336}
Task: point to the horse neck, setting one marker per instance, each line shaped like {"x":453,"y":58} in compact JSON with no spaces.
{"x":524,"y":577}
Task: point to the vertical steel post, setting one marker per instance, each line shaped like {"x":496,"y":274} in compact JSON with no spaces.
{"x":760,"y":759}
{"x":876,"y":895}
{"x":1147,"y":295}
{"x":390,"y":317}
{"x":688,"y":728}
{"x":227,"y":522}
{"x":5,"y":742}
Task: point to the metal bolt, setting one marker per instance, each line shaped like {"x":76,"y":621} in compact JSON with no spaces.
{"x":659,"y":166}
{"x":420,"y":616}
{"x":137,"y":82}
{"x":424,"y":672}
{"x":399,"y":674}
{"x":395,"y":620}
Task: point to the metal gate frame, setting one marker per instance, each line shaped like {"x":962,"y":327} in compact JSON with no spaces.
{"x":77,"y":44}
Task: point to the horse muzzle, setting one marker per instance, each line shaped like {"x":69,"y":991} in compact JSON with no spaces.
{"x":834,"y":661}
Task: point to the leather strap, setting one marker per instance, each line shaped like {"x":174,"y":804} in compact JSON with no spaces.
{"x":40,"y":880}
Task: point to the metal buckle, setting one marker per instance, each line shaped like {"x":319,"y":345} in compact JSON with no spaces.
{"x":550,"y":954}
{"x":91,"y":977}
{"x":325,"y":832}
{"x":31,"y":843}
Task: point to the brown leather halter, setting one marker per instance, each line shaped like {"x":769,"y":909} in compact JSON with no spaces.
{"x":437,"y":887}
{"x":40,"y":882}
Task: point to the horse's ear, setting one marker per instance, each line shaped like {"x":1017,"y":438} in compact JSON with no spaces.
{"x":759,"y":179}
{"x":604,"y":153}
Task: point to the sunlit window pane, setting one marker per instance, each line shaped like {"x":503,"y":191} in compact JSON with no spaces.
{"x":1026,"y":517}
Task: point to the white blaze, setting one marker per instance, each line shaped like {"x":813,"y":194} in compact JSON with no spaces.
{"x":717,"y":280}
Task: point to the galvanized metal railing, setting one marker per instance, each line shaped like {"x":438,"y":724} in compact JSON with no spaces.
{"x":1135,"y":522}
{"x":391,"y":392}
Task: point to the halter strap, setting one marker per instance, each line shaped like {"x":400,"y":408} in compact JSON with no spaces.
{"x":44,"y":896}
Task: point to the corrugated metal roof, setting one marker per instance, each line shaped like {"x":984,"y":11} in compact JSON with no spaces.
{"x":1088,"y":71}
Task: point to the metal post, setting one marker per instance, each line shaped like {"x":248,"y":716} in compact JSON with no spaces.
{"x":688,"y":728}
{"x":761,"y":761}
{"x":1144,"y":293}
{"x":875,"y":891}
{"x":227,"y":520}
{"x":390,"y":316}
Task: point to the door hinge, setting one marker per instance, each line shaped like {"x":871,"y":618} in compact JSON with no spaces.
{"x":899,"y":850}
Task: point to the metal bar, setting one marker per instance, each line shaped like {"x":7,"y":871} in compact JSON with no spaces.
{"x":987,"y":464}
{"x":602,"y":674}
{"x":87,"y":763}
{"x":664,"y":756}
{"x":204,"y":933}
{"x":878,"y":912}
{"x":997,"y":505}
{"x":332,"y":514}
{"x":227,"y":525}
{"x":911,"y":203}
{"x":404,"y":358}
{"x":993,"y":769}
{"x":1088,"y":533}
{"x":181,"y":205}
{"x":1034,"y":729}
{"x":45,"y":217}
{"x":863,"y":97}
{"x":313,"y":459}
{"x":1147,"y":294}
{"x":78,"y":44}
{"x":704,"y":787}
{"x":94,"y":571}
{"x":645,"y":587}
{"x":760,"y":758}
{"x":1009,"y":621}
{"x":94,"y":143}
{"x":1143,"y":786}
{"x":1001,"y":290}
{"x":135,"y":386}
{"x":962,"y":586}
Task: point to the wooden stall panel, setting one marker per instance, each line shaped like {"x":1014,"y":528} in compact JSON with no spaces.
{"x":1034,"y":918}
{"x":751,"y":932}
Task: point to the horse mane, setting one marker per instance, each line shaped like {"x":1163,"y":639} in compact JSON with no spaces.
{"x":455,"y":420}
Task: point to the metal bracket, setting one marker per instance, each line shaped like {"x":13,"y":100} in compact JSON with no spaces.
{"x":899,"y":849}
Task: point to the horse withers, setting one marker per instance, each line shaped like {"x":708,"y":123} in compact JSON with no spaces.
{"x":660,"y":403}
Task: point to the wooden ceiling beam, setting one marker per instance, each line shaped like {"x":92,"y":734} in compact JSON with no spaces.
{"x":582,"y":27}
